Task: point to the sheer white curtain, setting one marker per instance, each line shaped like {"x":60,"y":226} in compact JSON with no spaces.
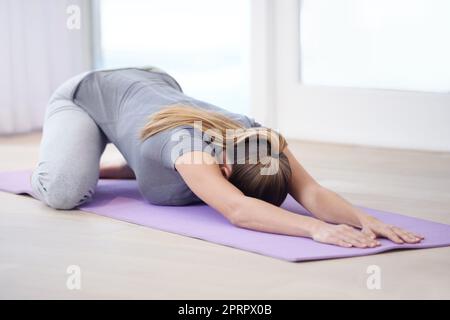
{"x":37,"y":52}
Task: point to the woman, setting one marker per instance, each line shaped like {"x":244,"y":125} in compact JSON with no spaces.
{"x":179,"y":150}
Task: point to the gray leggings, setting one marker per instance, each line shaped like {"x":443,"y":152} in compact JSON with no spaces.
{"x":70,"y":152}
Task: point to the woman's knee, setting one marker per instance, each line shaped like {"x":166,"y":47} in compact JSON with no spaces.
{"x":61,"y":190}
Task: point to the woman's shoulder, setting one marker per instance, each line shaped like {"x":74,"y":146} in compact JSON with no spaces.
{"x":166,"y":146}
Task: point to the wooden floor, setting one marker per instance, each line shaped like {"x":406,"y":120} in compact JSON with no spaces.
{"x":122,"y":260}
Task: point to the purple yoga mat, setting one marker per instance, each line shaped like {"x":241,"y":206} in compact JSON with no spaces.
{"x":120,"y":199}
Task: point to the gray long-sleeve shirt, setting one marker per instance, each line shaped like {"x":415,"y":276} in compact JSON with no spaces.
{"x":121,"y":101}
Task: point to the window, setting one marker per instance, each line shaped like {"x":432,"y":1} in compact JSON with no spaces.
{"x":202,"y":43}
{"x":386,"y":44}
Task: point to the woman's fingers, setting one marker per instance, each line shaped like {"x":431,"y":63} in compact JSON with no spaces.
{"x":406,"y":235}
{"x":358,"y":240}
{"x":340,"y":242}
{"x":415,"y":234}
{"x":369,"y":233}
{"x":399,"y":235}
{"x":353,"y":241}
{"x":349,"y":241}
{"x":391,"y":235}
{"x":344,"y":243}
{"x":347,"y":236}
{"x":355,"y":237}
{"x":363,"y":239}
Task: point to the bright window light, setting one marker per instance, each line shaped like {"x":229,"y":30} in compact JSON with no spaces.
{"x":386,"y":44}
{"x":202,"y":43}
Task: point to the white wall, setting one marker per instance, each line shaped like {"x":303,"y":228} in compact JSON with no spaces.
{"x":386,"y":118}
{"x":38,"y":52}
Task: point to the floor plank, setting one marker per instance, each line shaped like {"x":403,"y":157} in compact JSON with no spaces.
{"x":122,"y":260}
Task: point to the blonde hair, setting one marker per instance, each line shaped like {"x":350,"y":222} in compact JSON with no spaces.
{"x":246,"y":176}
{"x":180,"y":115}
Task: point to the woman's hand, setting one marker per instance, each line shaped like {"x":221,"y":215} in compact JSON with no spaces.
{"x":375,"y":228}
{"x":343,"y":235}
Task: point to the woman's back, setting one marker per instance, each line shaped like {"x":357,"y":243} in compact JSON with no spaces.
{"x":121,"y":101}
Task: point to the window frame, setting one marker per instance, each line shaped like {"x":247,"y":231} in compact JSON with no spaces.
{"x":359,"y":116}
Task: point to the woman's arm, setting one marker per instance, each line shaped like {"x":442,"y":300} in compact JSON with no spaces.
{"x":203,"y":176}
{"x":322,"y":203}
{"x":328,"y":206}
